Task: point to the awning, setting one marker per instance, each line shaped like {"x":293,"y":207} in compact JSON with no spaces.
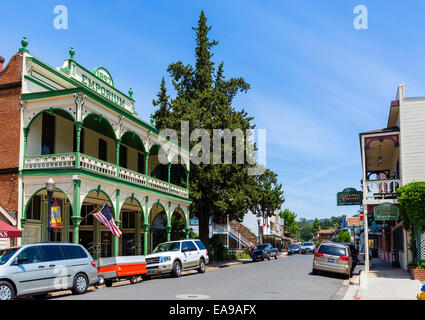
{"x":8,"y":231}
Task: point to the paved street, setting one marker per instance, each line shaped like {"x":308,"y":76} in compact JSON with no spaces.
{"x":285,"y":278}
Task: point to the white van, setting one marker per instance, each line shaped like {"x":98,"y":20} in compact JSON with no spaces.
{"x":37,"y":269}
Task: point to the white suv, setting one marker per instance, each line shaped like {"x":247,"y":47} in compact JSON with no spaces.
{"x":175,"y":256}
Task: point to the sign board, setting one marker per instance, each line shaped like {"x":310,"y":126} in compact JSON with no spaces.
{"x":100,"y":82}
{"x":349,"y":197}
{"x":386,"y":212}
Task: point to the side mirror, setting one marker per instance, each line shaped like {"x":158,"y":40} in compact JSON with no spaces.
{"x":21,"y":261}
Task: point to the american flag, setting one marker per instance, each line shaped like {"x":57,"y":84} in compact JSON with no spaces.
{"x":105,"y":216}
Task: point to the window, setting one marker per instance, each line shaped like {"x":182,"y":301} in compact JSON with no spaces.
{"x":34,"y":208}
{"x":190,"y":245}
{"x":123,"y":156}
{"x":48,"y":134}
{"x":102,"y":149}
{"x":52,"y":253}
{"x":129,"y":219}
{"x":32,"y":254}
{"x":334,"y":251}
{"x":74,"y":252}
{"x":140,"y":162}
{"x":200,"y":245}
{"x":85,"y":210}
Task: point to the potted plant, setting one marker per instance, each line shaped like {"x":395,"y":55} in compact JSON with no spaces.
{"x":418,"y":271}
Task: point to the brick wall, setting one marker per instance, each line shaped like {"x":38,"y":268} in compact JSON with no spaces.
{"x":10,"y":119}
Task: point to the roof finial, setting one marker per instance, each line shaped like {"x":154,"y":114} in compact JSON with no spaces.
{"x":130,"y":93}
{"x":24,"y":43}
{"x":71,"y":53}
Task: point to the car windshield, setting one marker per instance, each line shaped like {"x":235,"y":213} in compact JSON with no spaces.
{"x":6,"y":254}
{"x":262,"y":246}
{"x":294,"y":246}
{"x":308,"y":243}
{"x":169,"y":246}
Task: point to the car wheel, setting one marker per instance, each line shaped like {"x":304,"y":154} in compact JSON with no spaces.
{"x":177,"y":269}
{"x":201,"y":268}
{"x":133,"y":279}
{"x":80,"y":284}
{"x":275,"y":257}
{"x":6,"y":291}
{"x":100,"y":280}
{"x":108,"y":282}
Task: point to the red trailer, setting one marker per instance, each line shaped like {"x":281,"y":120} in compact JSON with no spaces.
{"x":117,"y":268}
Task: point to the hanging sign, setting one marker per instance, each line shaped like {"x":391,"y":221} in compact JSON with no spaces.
{"x":386,"y":212}
{"x":56,"y":216}
{"x":349,"y":197}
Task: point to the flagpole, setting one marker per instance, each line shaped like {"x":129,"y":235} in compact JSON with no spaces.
{"x":97,"y":209}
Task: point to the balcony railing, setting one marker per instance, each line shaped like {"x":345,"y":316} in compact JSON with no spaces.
{"x":50,"y":161}
{"x":68,"y":160}
{"x":381,"y":189}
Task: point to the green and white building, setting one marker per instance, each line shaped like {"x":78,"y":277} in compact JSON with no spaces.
{"x":80,"y":130}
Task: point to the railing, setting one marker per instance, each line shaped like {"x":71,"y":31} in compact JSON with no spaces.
{"x":50,"y":161}
{"x":97,"y":165}
{"x":220,"y":229}
{"x":182,"y":192}
{"x":239,"y":236}
{"x":132,"y":176}
{"x":67,"y":160}
{"x":381,"y":189}
{"x":157,"y":184}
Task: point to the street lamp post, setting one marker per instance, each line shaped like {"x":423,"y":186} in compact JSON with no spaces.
{"x":50,"y":187}
{"x":259,"y":235}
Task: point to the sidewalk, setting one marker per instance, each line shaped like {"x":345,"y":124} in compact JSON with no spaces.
{"x":383,"y":283}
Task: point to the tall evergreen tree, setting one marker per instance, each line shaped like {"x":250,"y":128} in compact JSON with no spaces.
{"x":316,"y":225}
{"x":204,"y":99}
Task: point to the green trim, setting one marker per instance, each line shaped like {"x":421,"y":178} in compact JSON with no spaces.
{"x":48,"y":110}
{"x":101,"y":68}
{"x":38,"y":83}
{"x":38,"y":73}
{"x":112,"y":179}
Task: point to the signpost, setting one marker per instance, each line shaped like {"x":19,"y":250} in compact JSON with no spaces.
{"x":386,"y":212}
{"x":349,"y":197}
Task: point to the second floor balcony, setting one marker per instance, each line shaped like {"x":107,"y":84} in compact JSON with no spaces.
{"x":381,"y":164}
{"x":53,"y":141}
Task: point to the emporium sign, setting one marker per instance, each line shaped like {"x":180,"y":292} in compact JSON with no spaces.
{"x":348,"y":197}
{"x":386,"y":212}
{"x":100,"y":81}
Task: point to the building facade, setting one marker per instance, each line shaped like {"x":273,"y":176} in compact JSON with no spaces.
{"x":75,"y":126}
{"x":393,"y":157}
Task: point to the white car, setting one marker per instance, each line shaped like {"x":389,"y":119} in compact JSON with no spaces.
{"x":175,"y":256}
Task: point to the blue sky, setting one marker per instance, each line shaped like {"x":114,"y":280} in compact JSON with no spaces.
{"x":316,"y":81}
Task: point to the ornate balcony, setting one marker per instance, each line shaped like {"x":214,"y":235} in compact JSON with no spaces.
{"x":381,"y":189}
{"x":69,"y":161}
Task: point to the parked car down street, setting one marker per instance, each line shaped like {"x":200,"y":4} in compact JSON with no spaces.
{"x":37,"y":269}
{"x":294,"y":248}
{"x":176,"y":256}
{"x":264,"y":251}
{"x":308,"y":247}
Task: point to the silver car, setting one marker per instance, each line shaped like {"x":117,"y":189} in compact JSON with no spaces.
{"x":308,"y":247}
{"x":37,"y":269}
{"x":333,"y":257}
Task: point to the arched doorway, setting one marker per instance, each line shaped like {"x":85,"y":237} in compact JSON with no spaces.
{"x":178,"y":225}
{"x":93,"y":235}
{"x":158,"y":225}
{"x":36,"y":213}
{"x":131,"y":240}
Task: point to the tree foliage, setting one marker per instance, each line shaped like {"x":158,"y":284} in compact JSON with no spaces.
{"x":204,"y":99}
{"x":344,"y":236}
{"x":290,"y":224}
{"x":316,"y":225}
{"x":412,"y":210}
